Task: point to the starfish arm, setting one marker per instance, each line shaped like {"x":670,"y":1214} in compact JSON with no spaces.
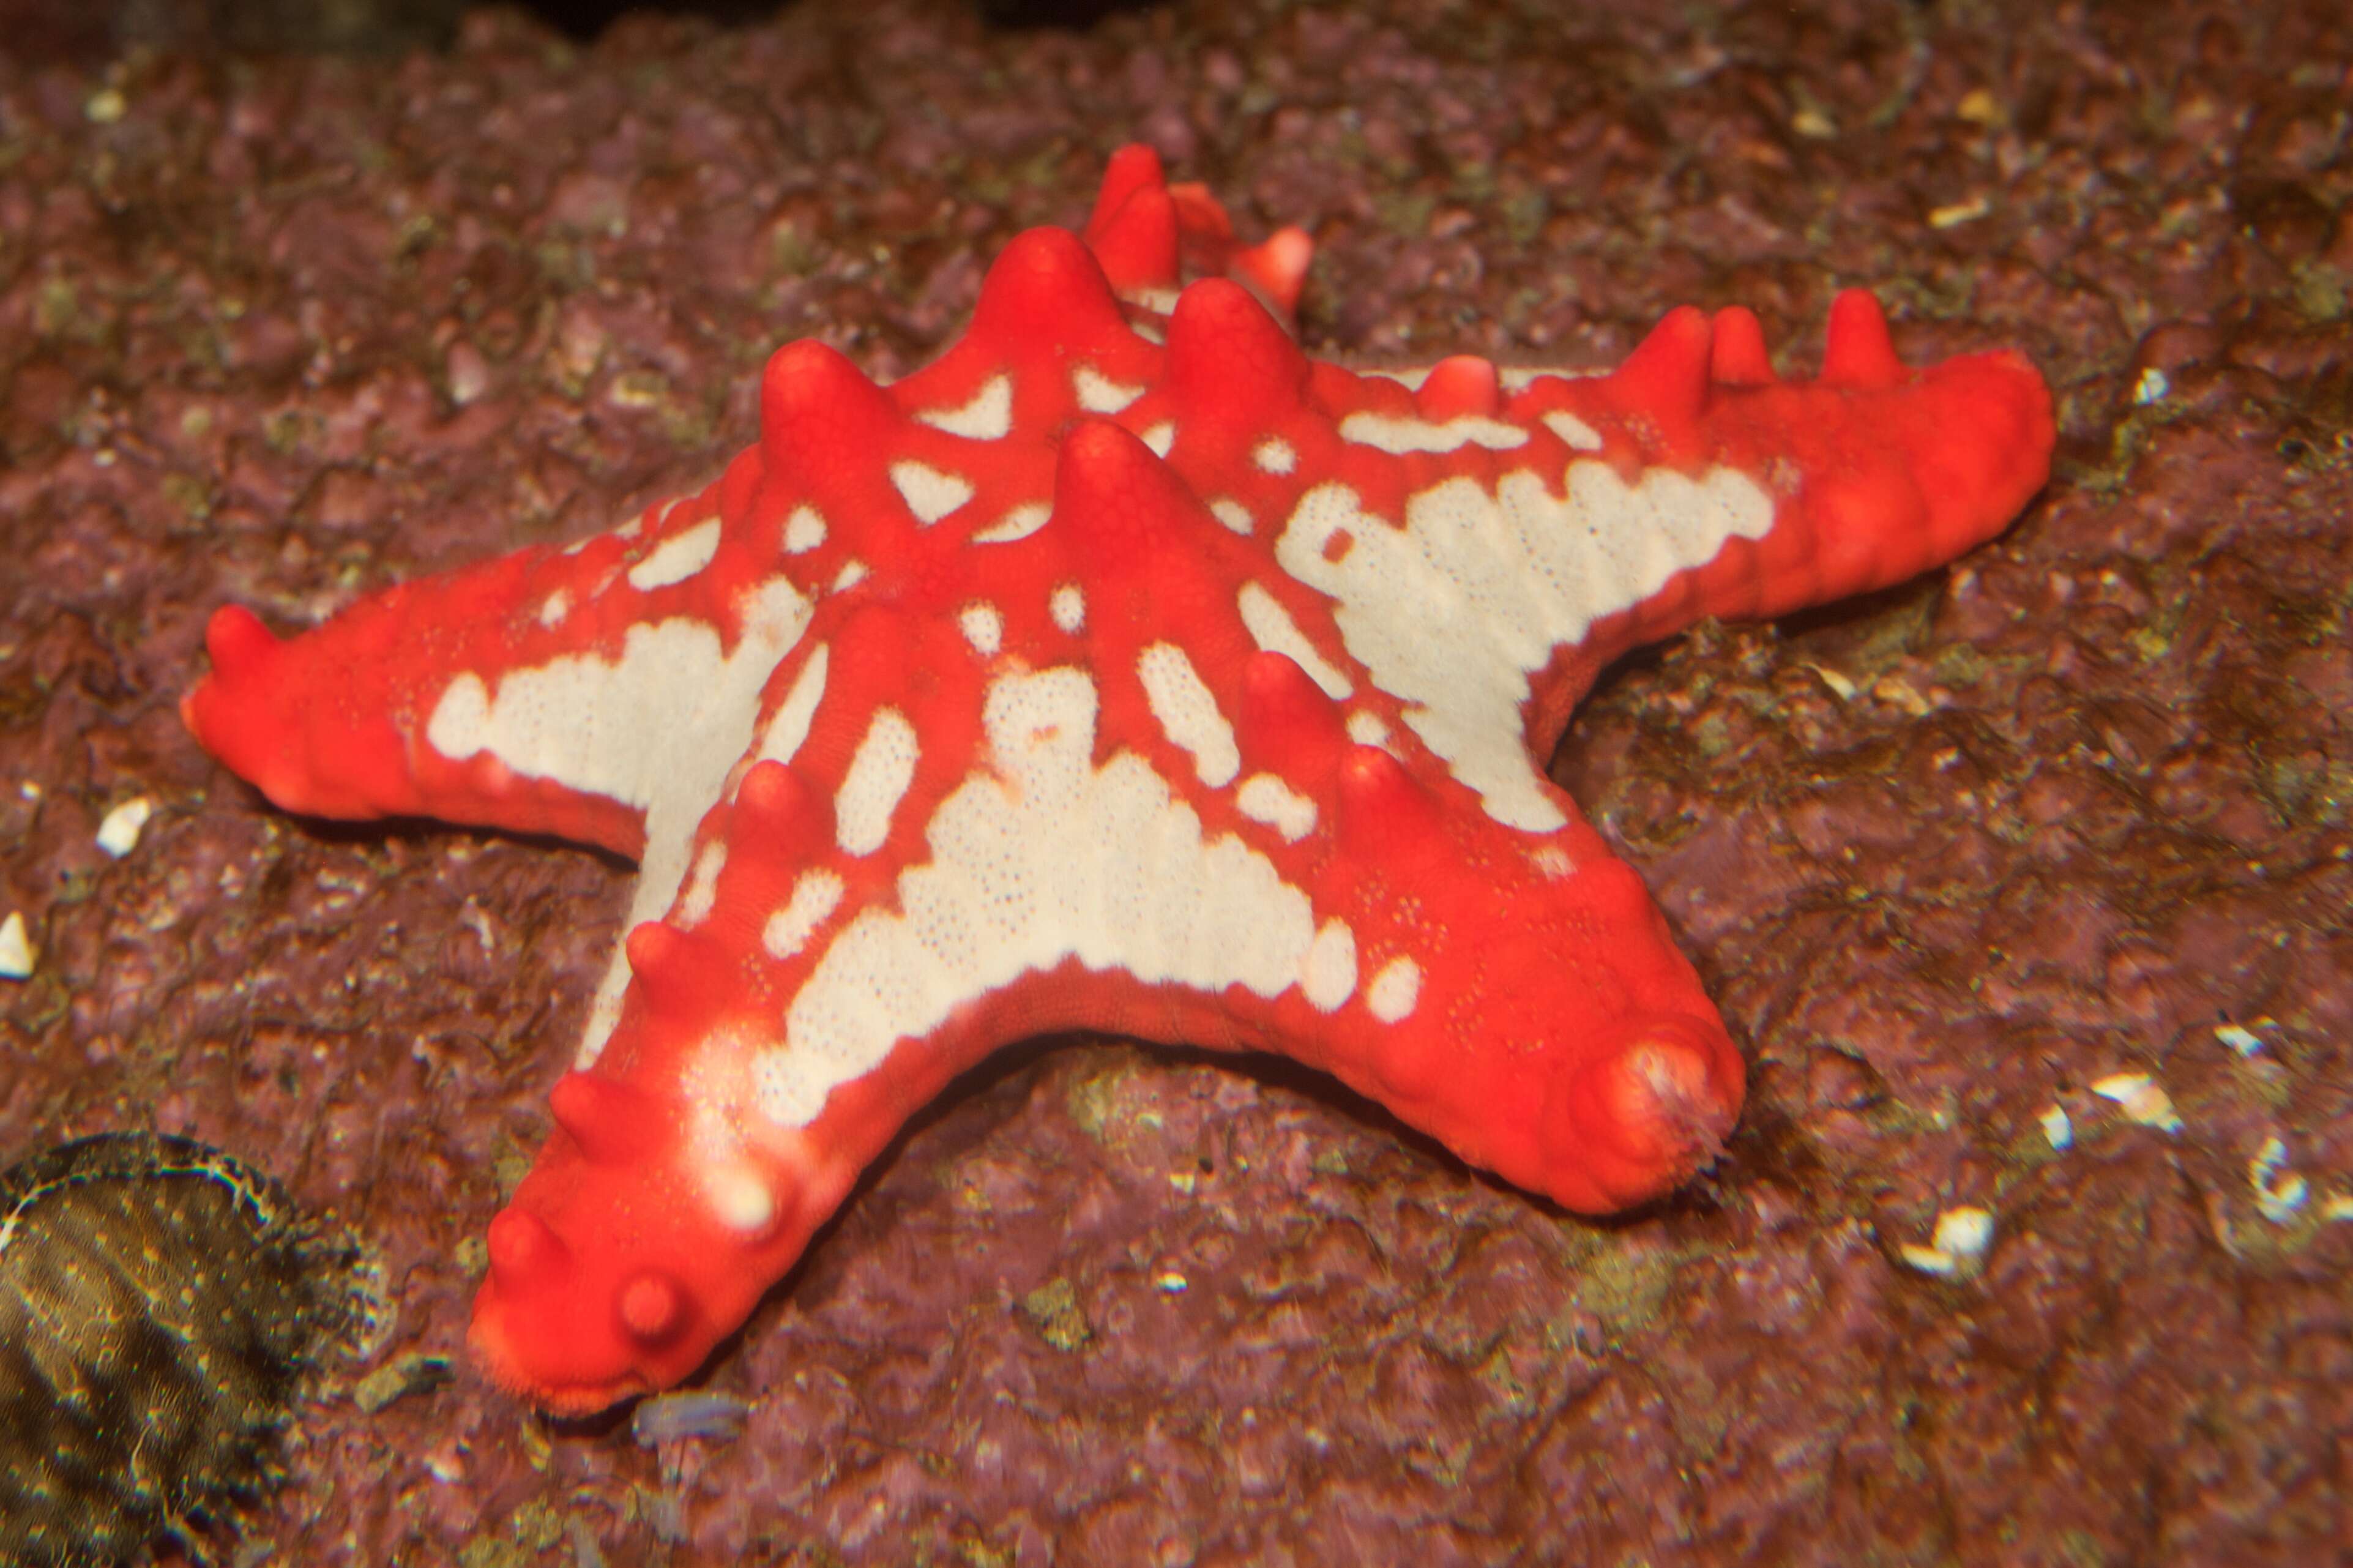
{"x":694,"y":1154}
{"x":1877,"y":472}
{"x":544,"y":690}
{"x":1483,"y":553}
{"x":1147,"y":234}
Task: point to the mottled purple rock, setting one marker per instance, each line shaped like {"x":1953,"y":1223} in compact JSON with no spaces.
{"x":1951,"y":860}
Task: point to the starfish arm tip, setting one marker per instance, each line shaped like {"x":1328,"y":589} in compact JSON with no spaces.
{"x":1654,"y":1105}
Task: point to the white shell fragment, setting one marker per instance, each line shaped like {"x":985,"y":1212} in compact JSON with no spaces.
{"x":1966,"y":1231}
{"x":687,"y":1412}
{"x":16,"y":948}
{"x":2279,"y":1192}
{"x":118,"y":833}
{"x":2057,"y":1129}
{"x":2142,"y":1099}
{"x":1957,"y":1248}
{"x":2242,"y":1039}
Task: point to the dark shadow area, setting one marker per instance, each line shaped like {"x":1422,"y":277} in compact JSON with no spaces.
{"x":363,"y":832}
{"x":89,"y":33}
{"x":1018,"y":15}
{"x":1915,"y":599}
{"x":585,"y":19}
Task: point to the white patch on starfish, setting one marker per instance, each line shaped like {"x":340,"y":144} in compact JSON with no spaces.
{"x":1038,"y":857}
{"x":1396,"y":986}
{"x":1271,"y":627}
{"x":1018,"y":523}
{"x":1189,"y":713}
{"x":879,"y":772}
{"x":930,"y":493}
{"x":701,"y":887}
{"x":804,"y":530}
{"x":1098,"y":393}
{"x":676,"y":558}
{"x":1394,"y":433}
{"x":781,"y":738}
{"x":816,"y":894}
{"x":1453,"y":612}
{"x":716,"y":1087}
{"x":1264,"y":798}
{"x":1068,"y":605}
{"x":1329,"y":976}
{"x":983,"y":627}
{"x":987,"y":416}
{"x":1580,"y":436}
{"x":579,"y":720}
{"x":739,"y":1195}
{"x":1274,"y":455}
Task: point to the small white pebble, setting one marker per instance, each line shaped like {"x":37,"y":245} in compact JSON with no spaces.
{"x":16,"y":948}
{"x":1954,"y":214}
{"x":2121,"y":1086}
{"x":468,"y":372}
{"x":2280,"y":1201}
{"x":2058,"y":1128}
{"x":1169,"y":1282}
{"x":1840,"y":687}
{"x":2245,"y":1042}
{"x":29,"y":791}
{"x":1929,"y":1260}
{"x":2142,"y":1099}
{"x":2152,"y":387}
{"x":2277,"y":1195}
{"x":1964,"y":1232}
{"x":1957,"y":1246}
{"x":118,"y":833}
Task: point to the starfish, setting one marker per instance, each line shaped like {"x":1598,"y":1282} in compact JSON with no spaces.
{"x":1126,"y":671}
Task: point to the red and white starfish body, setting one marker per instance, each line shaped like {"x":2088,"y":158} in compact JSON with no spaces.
{"x":1125,"y":670}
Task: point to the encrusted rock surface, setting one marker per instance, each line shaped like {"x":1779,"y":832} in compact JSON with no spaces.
{"x":1952,"y":860}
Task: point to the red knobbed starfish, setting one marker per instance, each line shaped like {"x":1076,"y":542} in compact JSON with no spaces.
{"x":1126,"y":671}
